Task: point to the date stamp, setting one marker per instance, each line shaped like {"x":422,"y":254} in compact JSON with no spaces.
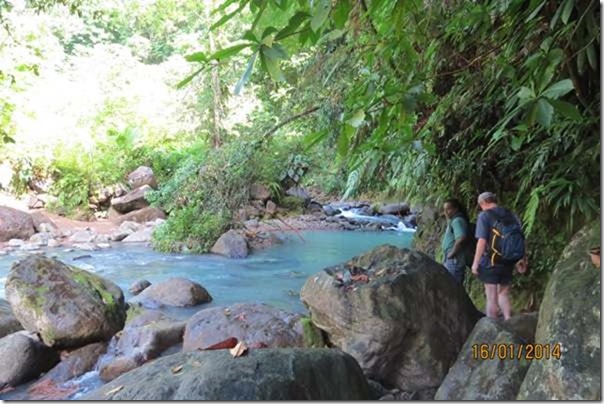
{"x":516,"y":351}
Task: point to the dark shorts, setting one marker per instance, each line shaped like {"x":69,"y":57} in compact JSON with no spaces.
{"x":496,"y":275}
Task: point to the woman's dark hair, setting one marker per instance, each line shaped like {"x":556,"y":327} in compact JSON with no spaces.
{"x":459,"y":207}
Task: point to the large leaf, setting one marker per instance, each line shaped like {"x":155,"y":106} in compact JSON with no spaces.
{"x":294,"y":22}
{"x":344,"y":139}
{"x":544,"y":112}
{"x":230,"y":51}
{"x":321,"y":13}
{"x":188,"y":79}
{"x":196,"y":57}
{"x":591,"y":56}
{"x":341,"y":12}
{"x":566,"y":109}
{"x":275,"y":52}
{"x":246,"y":75}
{"x":567,"y":9}
{"x":228,"y":16}
{"x":271,"y":65}
{"x":558,"y":89}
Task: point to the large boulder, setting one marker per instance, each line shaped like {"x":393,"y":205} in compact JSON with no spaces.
{"x":24,"y":357}
{"x":8,"y":322}
{"x":140,"y":236}
{"x":143,"y":175}
{"x":67,"y":306}
{"x":298,"y":192}
{"x":15,"y":224}
{"x":231,"y":244}
{"x":255,"y":324}
{"x":569,"y":323}
{"x":133,"y":200}
{"x":57,"y":384}
{"x":397,"y":312}
{"x":43,"y":223}
{"x":401,"y":209}
{"x":262,"y":374}
{"x":179,"y":292}
{"x":143,"y":215}
{"x":473,"y":377}
{"x":145,"y":337}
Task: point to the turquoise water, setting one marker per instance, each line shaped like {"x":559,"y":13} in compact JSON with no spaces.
{"x":274,"y":276}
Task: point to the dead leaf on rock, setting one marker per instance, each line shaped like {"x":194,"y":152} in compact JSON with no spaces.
{"x":227,"y":343}
{"x":176,"y":369}
{"x":113,"y":391}
{"x":239,"y":350}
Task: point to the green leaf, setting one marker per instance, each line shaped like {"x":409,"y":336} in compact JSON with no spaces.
{"x":525,"y":93}
{"x":250,"y":36}
{"x":275,"y":52}
{"x":230,"y":51}
{"x":189,"y":78}
{"x":341,"y":12}
{"x":567,"y":10}
{"x":591,"y":56}
{"x":357,"y":119}
{"x":566,"y":109}
{"x":581,"y":62}
{"x":535,"y":11}
{"x":321,"y":13}
{"x":516,"y":143}
{"x":292,"y":25}
{"x":344,"y":140}
{"x":268,"y":31}
{"x":271,"y":65}
{"x":246,"y":75}
{"x":544,"y":113}
{"x":196,"y":57}
{"x":558,"y":89}
{"x":228,"y":16}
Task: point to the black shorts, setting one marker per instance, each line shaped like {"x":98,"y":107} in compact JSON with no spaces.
{"x":498,"y":275}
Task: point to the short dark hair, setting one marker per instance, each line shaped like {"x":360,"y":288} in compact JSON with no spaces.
{"x":458,"y":206}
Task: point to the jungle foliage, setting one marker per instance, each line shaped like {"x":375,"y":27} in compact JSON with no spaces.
{"x":429,"y":99}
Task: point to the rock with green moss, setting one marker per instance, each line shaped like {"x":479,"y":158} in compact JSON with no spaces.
{"x":397,"y":312}
{"x":569,"y":318}
{"x":67,"y":306}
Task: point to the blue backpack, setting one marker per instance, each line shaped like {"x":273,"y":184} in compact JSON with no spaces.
{"x":506,"y":244}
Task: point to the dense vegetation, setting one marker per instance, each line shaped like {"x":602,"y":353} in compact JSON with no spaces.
{"x":388,"y":99}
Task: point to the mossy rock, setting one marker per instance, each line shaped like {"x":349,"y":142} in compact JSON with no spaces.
{"x":293,"y":203}
{"x":313,"y":336}
{"x":67,"y":306}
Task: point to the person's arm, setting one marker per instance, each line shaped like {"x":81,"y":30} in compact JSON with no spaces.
{"x":480,"y":249}
{"x":522,"y":265}
{"x":459,"y":232}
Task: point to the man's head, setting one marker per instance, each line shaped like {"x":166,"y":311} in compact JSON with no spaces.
{"x":487,"y":200}
{"x":451,"y":207}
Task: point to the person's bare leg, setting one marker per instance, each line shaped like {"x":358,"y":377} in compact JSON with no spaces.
{"x":490,"y":291}
{"x":503,"y":299}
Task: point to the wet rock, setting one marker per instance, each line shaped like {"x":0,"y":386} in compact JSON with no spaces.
{"x":399,"y":313}
{"x":74,"y":363}
{"x":570,"y":316}
{"x":138,"y":286}
{"x":40,"y":239}
{"x":401,"y":209}
{"x":298,"y":192}
{"x":15,"y":242}
{"x":262,"y":374}
{"x":143,"y":175}
{"x":256,"y":324}
{"x":271,"y":208}
{"x":133,"y":200}
{"x":67,"y":306}
{"x":15,"y":224}
{"x":179,"y":292}
{"x":82,"y":236}
{"x":330,"y":210}
{"x":141,"y":236}
{"x":251,"y":224}
{"x":143,"y":215}
{"x":42,"y":223}
{"x":231,"y":244}
{"x":8,"y":322}
{"x":85,"y":246}
{"x":143,"y":339}
{"x":259,"y":192}
{"x":24,"y":357}
{"x":473,"y":378}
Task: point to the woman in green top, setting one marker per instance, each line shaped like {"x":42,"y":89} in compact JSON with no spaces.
{"x":453,"y":240}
